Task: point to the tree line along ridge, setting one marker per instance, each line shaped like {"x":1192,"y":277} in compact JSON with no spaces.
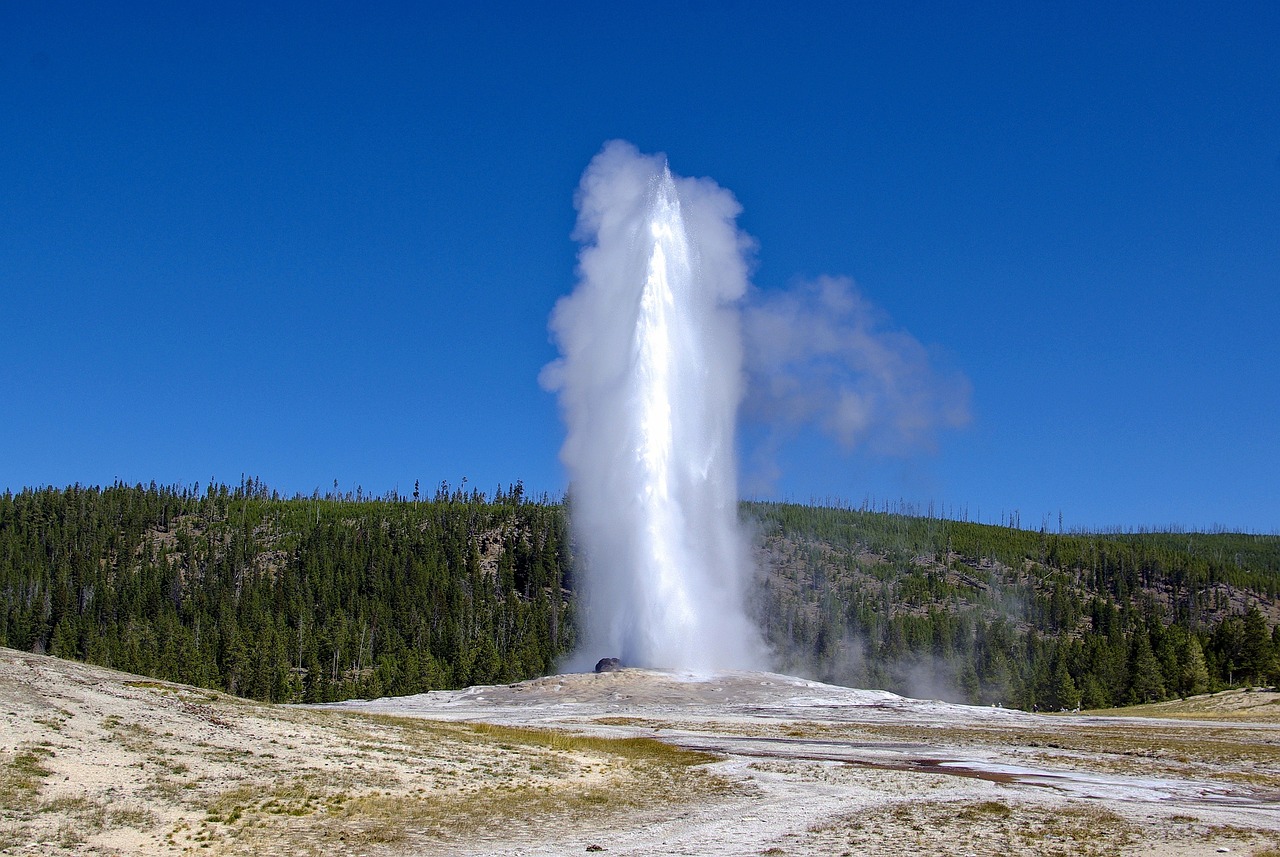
{"x":338,"y":596}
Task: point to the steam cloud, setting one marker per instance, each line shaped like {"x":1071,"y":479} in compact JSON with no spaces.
{"x":651,"y":375}
{"x":822,"y":354}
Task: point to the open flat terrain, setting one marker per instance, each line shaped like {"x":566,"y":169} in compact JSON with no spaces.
{"x":633,"y":762}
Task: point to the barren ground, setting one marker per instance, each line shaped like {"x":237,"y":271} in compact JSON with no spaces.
{"x":95,"y":761}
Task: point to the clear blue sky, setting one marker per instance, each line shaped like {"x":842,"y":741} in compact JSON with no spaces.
{"x":309,"y":242}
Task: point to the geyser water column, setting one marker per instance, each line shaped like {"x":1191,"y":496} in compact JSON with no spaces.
{"x":649,"y":382}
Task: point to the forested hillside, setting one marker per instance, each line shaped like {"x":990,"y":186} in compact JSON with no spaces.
{"x":316,"y":599}
{"x":998,"y":615}
{"x":336,"y":596}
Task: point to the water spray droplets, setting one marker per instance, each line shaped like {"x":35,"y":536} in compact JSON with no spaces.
{"x":649,"y":385}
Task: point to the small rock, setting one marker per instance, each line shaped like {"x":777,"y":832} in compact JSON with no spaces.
{"x":593,"y":846}
{"x":608,"y":665}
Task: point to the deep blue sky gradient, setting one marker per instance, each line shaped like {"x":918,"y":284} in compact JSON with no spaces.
{"x":317,"y":241}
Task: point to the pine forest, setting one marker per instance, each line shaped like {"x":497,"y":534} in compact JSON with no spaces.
{"x":339,"y":595}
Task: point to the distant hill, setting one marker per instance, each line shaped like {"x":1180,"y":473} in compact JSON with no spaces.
{"x":328,"y":597}
{"x":277,"y":599}
{"x":999,"y":615}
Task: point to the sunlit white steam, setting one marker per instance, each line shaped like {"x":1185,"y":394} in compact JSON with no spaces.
{"x":649,"y":382}
{"x":820,"y":354}
{"x":650,"y":379}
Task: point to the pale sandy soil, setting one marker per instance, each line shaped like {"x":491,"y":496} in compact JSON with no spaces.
{"x":94,"y":761}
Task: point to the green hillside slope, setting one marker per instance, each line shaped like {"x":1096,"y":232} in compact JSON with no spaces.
{"x":331,"y":597}
{"x":997,"y":615}
{"x":315,"y":599}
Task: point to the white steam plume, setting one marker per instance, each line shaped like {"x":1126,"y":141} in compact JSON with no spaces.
{"x":649,"y":383}
{"x":821,"y":354}
{"x":650,"y":380}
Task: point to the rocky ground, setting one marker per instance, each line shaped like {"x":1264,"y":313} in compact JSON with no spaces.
{"x":633,"y":762}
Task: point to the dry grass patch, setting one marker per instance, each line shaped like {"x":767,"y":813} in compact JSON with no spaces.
{"x":745,"y":728}
{"x":456,"y":781}
{"x":21,"y":774}
{"x":626,"y":721}
{"x":90,"y":816}
{"x":1242,"y":706}
{"x":1227,"y":754}
{"x":956,"y":828}
{"x":634,"y":749}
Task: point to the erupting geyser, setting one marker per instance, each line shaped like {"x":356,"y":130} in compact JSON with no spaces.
{"x":649,"y":381}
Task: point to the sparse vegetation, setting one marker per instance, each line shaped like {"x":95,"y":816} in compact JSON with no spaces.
{"x":988,"y":826}
{"x":21,"y":775}
{"x":519,"y":774}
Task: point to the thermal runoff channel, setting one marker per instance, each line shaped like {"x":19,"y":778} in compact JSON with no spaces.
{"x":649,"y":382}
